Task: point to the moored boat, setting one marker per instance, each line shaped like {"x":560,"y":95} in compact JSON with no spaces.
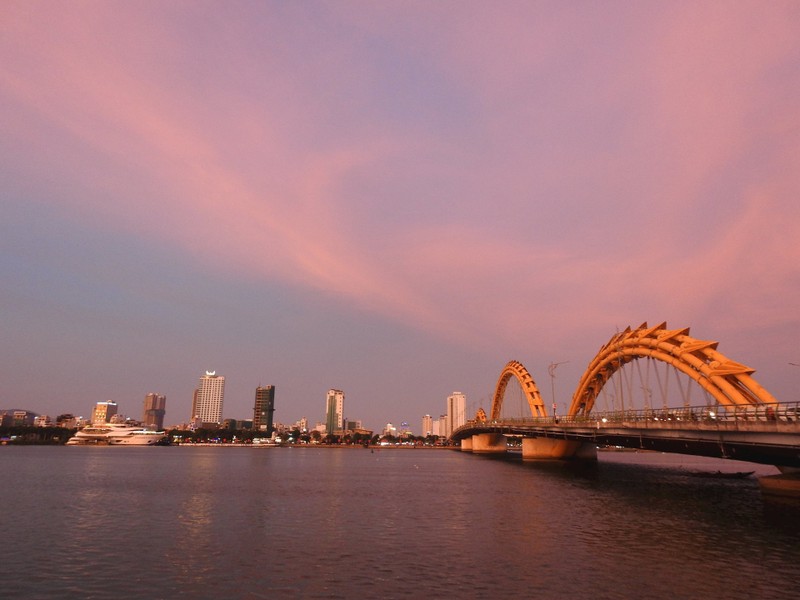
{"x":723,"y":474}
{"x":116,"y":434}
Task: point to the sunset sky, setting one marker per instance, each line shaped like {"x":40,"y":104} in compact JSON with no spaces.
{"x":389,"y":198}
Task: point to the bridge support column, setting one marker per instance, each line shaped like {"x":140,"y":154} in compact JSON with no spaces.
{"x":466,"y":444}
{"x":548,"y":448}
{"x":785,"y":484}
{"x":586,"y":451}
{"x":489,"y":443}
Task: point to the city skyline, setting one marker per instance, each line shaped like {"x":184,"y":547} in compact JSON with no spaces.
{"x":392,"y":200}
{"x":208,"y":398}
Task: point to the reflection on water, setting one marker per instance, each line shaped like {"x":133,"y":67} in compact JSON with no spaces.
{"x":337,"y":523}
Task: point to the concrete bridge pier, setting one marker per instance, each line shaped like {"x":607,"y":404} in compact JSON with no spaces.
{"x":548,"y":449}
{"x":489,"y":443}
{"x":466,"y":444}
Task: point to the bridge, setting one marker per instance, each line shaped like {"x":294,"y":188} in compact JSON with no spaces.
{"x":738,"y":418}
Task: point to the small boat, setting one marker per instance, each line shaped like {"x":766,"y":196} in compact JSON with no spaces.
{"x":722,"y":474}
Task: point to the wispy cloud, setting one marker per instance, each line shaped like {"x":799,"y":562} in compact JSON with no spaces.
{"x":483,"y":174}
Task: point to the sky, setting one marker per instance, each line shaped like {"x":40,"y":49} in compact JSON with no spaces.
{"x":393,"y":199}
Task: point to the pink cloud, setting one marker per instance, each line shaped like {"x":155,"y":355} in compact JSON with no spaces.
{"x":598,"y":195}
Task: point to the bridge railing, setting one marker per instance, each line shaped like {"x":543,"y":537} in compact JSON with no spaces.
{"x":778,"y":412}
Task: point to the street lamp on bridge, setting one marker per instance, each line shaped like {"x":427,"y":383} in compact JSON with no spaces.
{"x":551,"y":370}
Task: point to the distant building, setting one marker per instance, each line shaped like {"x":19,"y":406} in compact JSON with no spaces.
{"x":154,"y":409}
{"x":456,"y":412}
{"x":67,"y":420}
{"x":196,"y":423}
{"x":353,"y":425}
{"x":103,"y":411}
{"x":43,"y":421}
{"x":427,"y":425}
{"x":264,"y":409}
{"x":208,"y":398}
{"x":334,"y":411}
{"x":236,"y":424}
{"x":22,"y":418}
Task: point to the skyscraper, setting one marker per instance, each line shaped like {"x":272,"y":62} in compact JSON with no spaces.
{"x":427,"y":425}
{"x":103,"y":411}
{"x":334,"y":411}
{"x":154,"y":409}
{"x":208,"y":397}
{"x":264,"y":408}
{"x":456,"y":412}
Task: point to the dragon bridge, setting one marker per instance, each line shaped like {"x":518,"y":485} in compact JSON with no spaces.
{"x":728,"y":382}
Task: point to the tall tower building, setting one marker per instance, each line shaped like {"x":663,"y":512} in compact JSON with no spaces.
{"x":264,"y":408}
{"x":427,"y":425}
{"x":103,"y":411}
{"x":208,"y":397}
{"x":456,"y":412}
{"x":154,"y":409}
{"x":334,"y":411}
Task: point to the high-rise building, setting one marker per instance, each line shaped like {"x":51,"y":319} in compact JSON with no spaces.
{"x":456,"y":412}
{"x":208,"y":397}
{"x":427,"y":425}
{"x":103,"y":411}
{"x":264,"y":409}
{"x":440,"y":426}
{"x":334,"y":411}
{"x":154,"y":409}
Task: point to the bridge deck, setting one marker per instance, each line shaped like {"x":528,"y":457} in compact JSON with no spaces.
{"x":752,"y":434}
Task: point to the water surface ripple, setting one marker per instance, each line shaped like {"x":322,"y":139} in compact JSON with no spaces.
{"x":208,"y":522}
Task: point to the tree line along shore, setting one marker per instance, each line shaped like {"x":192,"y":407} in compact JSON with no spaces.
{"x":53,"y":436}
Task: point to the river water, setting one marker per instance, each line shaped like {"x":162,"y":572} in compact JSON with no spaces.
{"x":206,"y":522}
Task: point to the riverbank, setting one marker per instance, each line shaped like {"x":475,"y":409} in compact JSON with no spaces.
{"x":332,"y":446}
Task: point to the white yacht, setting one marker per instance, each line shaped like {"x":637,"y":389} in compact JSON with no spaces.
{"x":116,"y":434}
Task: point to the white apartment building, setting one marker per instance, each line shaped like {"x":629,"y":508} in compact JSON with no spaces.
{"x":208,"y":398}
{"x":427,"y":425}
{"x":456,"y":412}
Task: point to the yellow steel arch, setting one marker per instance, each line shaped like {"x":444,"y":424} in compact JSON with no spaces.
{"x":729,"y":382}
{"x":516,"y":369}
